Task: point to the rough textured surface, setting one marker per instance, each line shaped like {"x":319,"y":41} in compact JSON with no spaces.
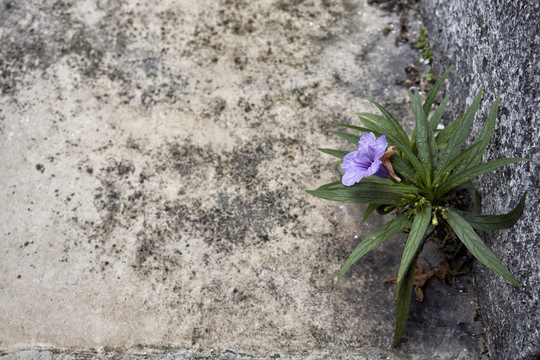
{"x":153,"y":161}
{"x":497,"y":45}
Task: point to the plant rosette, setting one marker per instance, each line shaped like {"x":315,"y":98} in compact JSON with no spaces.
{"x":412,"y":178}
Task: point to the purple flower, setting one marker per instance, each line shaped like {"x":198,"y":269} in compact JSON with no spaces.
{"x":366,"y":161}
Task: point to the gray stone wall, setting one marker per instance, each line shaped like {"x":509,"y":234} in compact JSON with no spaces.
{"x":495,"y":45}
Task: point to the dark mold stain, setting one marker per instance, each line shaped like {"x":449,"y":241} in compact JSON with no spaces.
{"x":97,"y":51}
{"x":243,"y":212}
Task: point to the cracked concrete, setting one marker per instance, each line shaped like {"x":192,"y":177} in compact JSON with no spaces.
{"x":154,"y":158}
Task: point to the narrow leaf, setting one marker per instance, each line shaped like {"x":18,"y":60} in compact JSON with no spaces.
{"x":494,"y":222}
{"x":363,"y":192}
{"x":353,"y":139}
{"x":369,"y":211}
{"x":404,"y":294}
{"x":459,"y":178}
{"x":418,"y":230}
{"x":388,"y":185}
{"x":397,"y":126}
{"x":402,"y":168}
{"x":462,"y":156}
{"x":372,"y":126}
{"x":433,"y":93}
{"x":383,"y":233}
{"x":437,"y":115}
{"x":476,"y":246}
{"x":379,"y":119}
{"x":377,"y":180}
{"x":425,"y":141}
{"x":337,"y":153}
{"x":457,"y":140}
{"x":357,"y":128}
{"x":483,"y":138}
{"x":387,"y":124}
{"x":445,"y":134}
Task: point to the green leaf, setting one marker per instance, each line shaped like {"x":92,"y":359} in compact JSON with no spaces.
{"x":389,"y":185}
{"x":418,"y":230}
{"x":433,"y":93}
{"x":445,"y":134}
{"x":383,"y":233}
{"x":459,"y":178}
{"x":494,"y":222}
{"x":404,"y":294}
{"x":425,"y":141}
{"x":363,"y":192}
{"x":437,"y":115}
{"x":372,"y":126}
{"x":462,"y":156}
{"x":379,"y":119}
{"x":389,"y":124}
{"x":401,"y":167}
{"x":349,"y":137}
{"x":393,"y":122}
{"x":370,"y":209}
{"x":476,"y":246}
{"x":337,"y":153}
{"x":357,"y":128}
{"x":457,"y":140}
{"x":483,"y":138}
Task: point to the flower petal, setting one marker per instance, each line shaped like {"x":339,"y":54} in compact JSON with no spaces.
{"x":382,"y":173}
{"x":352,"y":177}
{"x":355,"y":168}
{"x":364,"y":144}
{"x":366,"y":161}
{"x":380,"y":146}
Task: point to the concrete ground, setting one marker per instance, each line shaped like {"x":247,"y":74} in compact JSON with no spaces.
{"x":153,"y":162}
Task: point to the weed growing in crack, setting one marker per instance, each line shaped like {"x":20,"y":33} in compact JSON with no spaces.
{"x":413,"y":178}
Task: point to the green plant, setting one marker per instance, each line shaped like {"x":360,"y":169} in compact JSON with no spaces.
{"x":412,"y":178}
{"x":422,"y":42}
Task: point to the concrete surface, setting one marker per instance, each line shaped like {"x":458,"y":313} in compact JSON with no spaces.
{"x":154,"y":158}
{"x":497,"y":45}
